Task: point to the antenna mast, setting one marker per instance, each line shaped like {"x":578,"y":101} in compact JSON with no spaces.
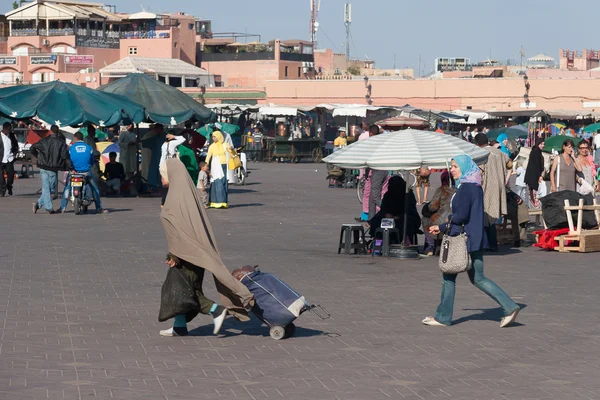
{"x":348,"y":21}
{"x":315,"y":7}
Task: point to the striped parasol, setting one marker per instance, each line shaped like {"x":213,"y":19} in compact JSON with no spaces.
{"x":404,"y":151}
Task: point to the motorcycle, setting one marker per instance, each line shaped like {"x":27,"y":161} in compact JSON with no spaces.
{"x":81,"y":192}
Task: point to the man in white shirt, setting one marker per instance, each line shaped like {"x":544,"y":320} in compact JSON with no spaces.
{"x":596,"y":144}
{"x":8,"y":150}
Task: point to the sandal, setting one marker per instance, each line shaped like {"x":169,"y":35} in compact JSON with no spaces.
{"x":509,"y":319}
{"x":432,"y":322}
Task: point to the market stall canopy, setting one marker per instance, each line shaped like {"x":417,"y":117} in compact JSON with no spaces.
{"x":405,"y":150}
{"x":164,"y":104}
{"x":518,"y":113}
{"x":63,"y":104}
{"x":512,"y":132}
{"x":396,"y":123}
{"x":208,"y":129}
{"x":354,"y":110}
{"x":431,"y":116}
{"x":278,"y":111}
{"x":469,"y":117}
{"x":555,"y":143}
{"x":234,"y":107}
{"x":541,"y":57}
{"x":171,"y":67}
{"x":592,"y":128}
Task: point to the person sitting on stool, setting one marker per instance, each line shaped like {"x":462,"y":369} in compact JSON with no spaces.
{"x":114,"y":172}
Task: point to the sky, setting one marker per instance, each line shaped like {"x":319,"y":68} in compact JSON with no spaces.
{"x":407,"y":30}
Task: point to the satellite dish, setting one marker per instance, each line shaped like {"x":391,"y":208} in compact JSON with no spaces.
{"x":317,"y":24}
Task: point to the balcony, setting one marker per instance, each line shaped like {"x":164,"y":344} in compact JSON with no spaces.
{"x":255,"y":56}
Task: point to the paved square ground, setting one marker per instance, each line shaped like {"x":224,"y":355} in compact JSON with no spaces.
{"x":79,"y":299}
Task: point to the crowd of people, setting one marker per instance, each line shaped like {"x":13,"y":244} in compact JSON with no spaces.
{"x":210,"y":169}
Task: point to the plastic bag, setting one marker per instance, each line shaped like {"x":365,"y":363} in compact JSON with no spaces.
{"x":177,"y":296}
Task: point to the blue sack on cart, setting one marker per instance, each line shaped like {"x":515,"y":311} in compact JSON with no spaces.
{"x":276,"y":302}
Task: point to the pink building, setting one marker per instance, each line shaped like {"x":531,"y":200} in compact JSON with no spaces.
{"x":252,"y":65}
{"x":72,"y":40}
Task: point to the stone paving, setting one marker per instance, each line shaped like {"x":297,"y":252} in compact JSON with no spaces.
{"x":79,"y":299}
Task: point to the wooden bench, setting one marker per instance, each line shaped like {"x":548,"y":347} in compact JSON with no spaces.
{"x":588,"y":240}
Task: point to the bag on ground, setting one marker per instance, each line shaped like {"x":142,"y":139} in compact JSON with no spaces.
{"x":276,"y":302}
{"x":177,"y":296}
{"x":553,"y":209}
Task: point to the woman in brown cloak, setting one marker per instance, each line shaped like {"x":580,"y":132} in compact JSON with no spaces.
{"x":192,"y":247}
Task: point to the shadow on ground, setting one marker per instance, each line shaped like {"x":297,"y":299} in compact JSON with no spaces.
{"x":487,"y":314}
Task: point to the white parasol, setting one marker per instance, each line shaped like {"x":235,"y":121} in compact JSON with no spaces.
{"x":405,"y":150}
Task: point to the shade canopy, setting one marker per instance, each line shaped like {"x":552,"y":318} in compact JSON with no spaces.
{"x":592,"y":128}
{"x":164,"y":104}
{"x":65,"y":104}
{"x":207,"y":130}
{"x":400,"y":122}
{"x":512,"y":132}
{"x":405,"y":150}
{"x":555,"y":142}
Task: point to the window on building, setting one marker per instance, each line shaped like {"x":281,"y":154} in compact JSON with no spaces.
{"x":133,"y":51}
{"x":286,"y":71}
{"x":191,"y":27}
{"x":299,"y":72}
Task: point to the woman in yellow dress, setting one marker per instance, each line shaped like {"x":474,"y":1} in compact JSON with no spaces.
{"x":218,"y":153}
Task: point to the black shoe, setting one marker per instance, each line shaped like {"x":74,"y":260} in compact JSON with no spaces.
{"x":10,"y":191}
{"x":517,"y":243}
{"x":35,"y":208}
{"x":52,"y":212}
{"x":219,"y":316}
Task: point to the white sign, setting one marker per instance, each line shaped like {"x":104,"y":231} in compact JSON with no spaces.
{"x":528,"y":105}
{"x":591,"y":104}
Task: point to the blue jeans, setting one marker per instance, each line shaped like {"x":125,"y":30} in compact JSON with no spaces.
{"x":444,"y":310}
{"x":49,"y":181}
{"x":93,"y":186}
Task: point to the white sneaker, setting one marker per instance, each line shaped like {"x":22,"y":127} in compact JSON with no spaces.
{"x":510,"y":319}
{"x":168,"y":332}
{"x":219,"y":316}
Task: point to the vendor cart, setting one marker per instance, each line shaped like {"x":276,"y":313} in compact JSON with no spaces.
{"x":282,"y":149}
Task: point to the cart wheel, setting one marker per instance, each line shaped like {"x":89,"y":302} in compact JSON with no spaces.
{"x":277,"y":332}
{"x":317,"y":155}
{"x":290,"y":330}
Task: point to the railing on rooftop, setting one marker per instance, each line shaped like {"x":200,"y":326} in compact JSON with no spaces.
{"x":253,"y":56}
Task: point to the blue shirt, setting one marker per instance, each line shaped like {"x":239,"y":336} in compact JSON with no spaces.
{"x":82,"y":156}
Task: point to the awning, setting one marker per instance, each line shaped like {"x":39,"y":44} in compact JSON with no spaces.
{"x":472,"y":117}
{"x":354,"y":110}
{"x":277,"y":111}
{"x":518,"y":113}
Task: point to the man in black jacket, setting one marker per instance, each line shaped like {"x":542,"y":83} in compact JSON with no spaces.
{"x":52,"y":156}
{"x":8,"y":150}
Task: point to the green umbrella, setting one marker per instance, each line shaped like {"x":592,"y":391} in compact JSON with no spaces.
{"x":207,"y":130}
{"x":101,"y":136}
{"x":164,"y":104}
{"x":65,"y":104}
{"x":592,"y":128}
{"x":513,"y":132}
{"x":556,"y":142}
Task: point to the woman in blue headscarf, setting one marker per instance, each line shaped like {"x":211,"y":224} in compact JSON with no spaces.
{"x":467,"y":212}
{"x":502,"y":139}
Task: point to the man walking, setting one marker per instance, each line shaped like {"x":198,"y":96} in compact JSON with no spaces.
{"x":52,"y":156}
{"x":128,"y":155}
{"x":8,"y":149}
{"x":494,"y":188}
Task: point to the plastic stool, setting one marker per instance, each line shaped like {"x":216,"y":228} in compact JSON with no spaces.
{"x":352,"y":237}
{"x":384,"y":247}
